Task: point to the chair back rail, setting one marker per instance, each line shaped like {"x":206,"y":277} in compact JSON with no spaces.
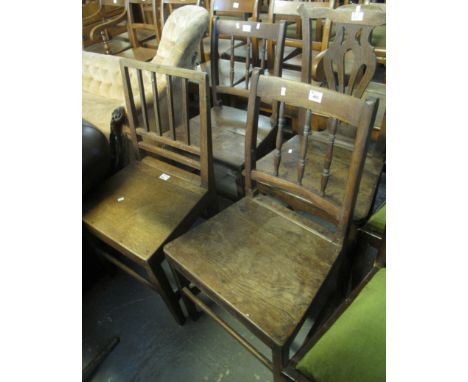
{"x":253,"y":32}
{"x":147,"y":85}
{"x":315,"y":100}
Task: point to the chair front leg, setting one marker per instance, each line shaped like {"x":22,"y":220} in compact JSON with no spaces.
{"x":280,"y":358}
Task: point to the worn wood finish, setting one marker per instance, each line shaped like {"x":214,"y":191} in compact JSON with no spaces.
{"x":262,"y":262}
{"x":154,"y":200}
{"x":139,"y":23}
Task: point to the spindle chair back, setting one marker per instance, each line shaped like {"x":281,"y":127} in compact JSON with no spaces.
{"x":260,"y":261}
{"x":158,"y":197}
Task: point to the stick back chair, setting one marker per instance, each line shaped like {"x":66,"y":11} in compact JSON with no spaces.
{"x":338,"y":136}
{"x":104,"y":30}
{"x":260,"y":261}
{"x":232,"y":78}
{"x":158,"y":197}
{"x":140,"y":28}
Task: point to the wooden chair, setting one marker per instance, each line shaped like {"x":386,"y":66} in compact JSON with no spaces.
{"x":155,"y":199}
{"x":232,"y":9}
{"x":138,"y":29}
{"x":287,"y":10}
{"x":232,"y":78}
{"x":340,"y":135}
{"x":103,"y":29}
{"x":167,"y":6}
{"x":350,"y":345}
{"x":262,"y":262}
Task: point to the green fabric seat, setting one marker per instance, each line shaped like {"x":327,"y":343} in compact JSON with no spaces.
{"x":379,"y":37}
{"x":353,"y":349}
{"x":377,"y":221}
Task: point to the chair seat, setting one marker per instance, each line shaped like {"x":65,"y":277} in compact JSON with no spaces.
{"x":353,"y":349}
{"x":140,"y":54}
{"x":150,"y":211}
{"x":228,"y":134}
{"x":114,"y":46}
{"x":262,"y":260}
{"x":338,"y":172}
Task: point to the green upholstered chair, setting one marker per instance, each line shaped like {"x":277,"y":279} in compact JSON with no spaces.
{"x":350,"y":347}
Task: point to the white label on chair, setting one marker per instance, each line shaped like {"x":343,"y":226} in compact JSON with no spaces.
{"x":258,"y":25}
{"x":315,"y":96}
{"x":246,"y":28}
{"x":164,"y":177}
{"x":235,"y":5}
{"x":237,"y":25}
{"x":115,"y":1}
{"x":357,"y":15}
{"x":121,"y":199}
{"x":283,"y":91}
{"x":290,"y":151}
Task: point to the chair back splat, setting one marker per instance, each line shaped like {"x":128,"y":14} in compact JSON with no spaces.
{"x":154,"y":129}
{"x":354,"y":25}
{"x":311,"y":184}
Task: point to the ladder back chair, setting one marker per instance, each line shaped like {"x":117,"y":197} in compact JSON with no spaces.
{"x":260,"y":261}
{"x":142,"y":28}
{"x":158,"y":197}
{"x":282,"y":9}
{"x":337,"y":134}
{"x":104,"y":30}
{"x":232,"y":78}
{"x":231,"y":9}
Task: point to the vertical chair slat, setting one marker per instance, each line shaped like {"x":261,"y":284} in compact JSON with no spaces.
{"x":263,"y":53}
{"x":332,"y":128}
{"x":131,"y":110}
{"x":141,"y":88}
{"x":231,"y":73}
{"x":302,"y":157}
{"x":185,"y":111}
{"x":279,"y":139}
{"x":170,"y":106}
{"x":247,"y":63}
{"x":157,"y":115}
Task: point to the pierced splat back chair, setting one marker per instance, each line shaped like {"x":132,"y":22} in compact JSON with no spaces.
{"x":155,"y":199}
{"x":262,"y":262}
{"x":338,"y":138}
{"x":232,"y":78}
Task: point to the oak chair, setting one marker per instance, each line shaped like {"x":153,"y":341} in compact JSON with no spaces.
{"x":262,"y":262}
{"x":104,"y":29}
{"x":281,"y":9}
{"x":338,"y":134}
{"x":232,"y":78}
{"x":231,"y":9}
{"x":350,"y":345}
{"x":167,"y":6}
{"x":158,"y":197}
{"x":140,"y":27}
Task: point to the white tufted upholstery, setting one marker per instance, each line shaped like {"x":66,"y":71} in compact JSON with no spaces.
{"x":102,"y":88}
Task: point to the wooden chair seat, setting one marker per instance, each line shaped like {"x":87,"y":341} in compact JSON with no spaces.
{"x":228,"y":134}
{"x":114,"y":47}
{"x":140,"y":53}
{"x":338,"y":170}
{"x":143,"y":221}
{"x":267,"y":291}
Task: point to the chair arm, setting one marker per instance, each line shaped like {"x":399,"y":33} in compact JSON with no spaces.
{"x":96,"y":16}
{"x":96,"y":31}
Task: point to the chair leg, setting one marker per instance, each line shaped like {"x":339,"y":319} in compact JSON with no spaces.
{"x":280,"y":358}
{"x":189,"y":305}
{"x":159,"y":279}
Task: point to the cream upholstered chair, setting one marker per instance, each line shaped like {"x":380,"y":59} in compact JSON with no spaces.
{"x":102,"y":87}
